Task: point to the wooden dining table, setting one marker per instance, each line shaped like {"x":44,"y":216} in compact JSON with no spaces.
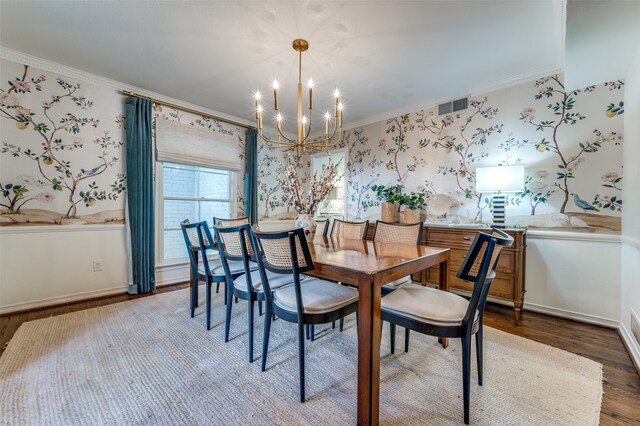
{"x":369,"y":265}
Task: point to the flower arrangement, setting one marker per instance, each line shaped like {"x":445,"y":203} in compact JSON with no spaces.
{"x":391,"y":194}
{"x":320,"y":185}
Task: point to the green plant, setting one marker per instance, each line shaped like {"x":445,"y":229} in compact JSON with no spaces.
{"x":392,"y":194}
{"x":412,"y":201}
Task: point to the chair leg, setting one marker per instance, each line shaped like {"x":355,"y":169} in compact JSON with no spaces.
{"x":301,"y":358}
{"x":217,"y":287}
{"x":250,"y":311}
{"x":466,"y":375}
{"x":225,"y":292}
{"x":260,"y":307}
{"x":194,"y":291}
{"x":312,"y":329}
{"x":392,"y":332}
{"x":265,"y":339}
{"x":333,"y":325}
{"x":406,"y":339}
{"x":228,"y":322}
{"x":307,"y":332}
{"x":479,"y":353}
{"x":341,"y":323}
{"x":209,"y":305}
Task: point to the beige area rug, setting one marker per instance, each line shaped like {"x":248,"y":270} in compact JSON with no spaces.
{"x":146,"y":362}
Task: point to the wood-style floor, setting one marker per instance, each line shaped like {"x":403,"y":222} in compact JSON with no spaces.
{"x":621,"y":399}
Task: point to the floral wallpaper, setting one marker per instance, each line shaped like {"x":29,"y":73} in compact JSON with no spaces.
{"x":569,"y":142}
{"x":62,"y":146}
{"x":61,"y":150}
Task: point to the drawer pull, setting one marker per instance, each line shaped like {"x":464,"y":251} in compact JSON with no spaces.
{"x":466,"y":238}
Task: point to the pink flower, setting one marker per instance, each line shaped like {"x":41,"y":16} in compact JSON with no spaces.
{"x":448,"y":120}
{"x":21,"y":85}
{"x":537,"y":186}
{"x":42,"y":77}
{"x":23,"y":111}
{"x":45,"y":197}
{"x":541,"y":174}
{"x":611,"y":176}
{"x":46,"y":105}
{"x":529,"y":113}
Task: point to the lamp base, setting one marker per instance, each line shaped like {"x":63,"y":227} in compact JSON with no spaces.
{"x":499,"y":202}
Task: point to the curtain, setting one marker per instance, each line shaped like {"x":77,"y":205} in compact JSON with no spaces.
{"x":251,"y":177}
{"x":140,"y":206}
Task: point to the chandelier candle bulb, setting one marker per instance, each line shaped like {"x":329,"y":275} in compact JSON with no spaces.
{"x":275,"y":94}
{"x":310,"y":84}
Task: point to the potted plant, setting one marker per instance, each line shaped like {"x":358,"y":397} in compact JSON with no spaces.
{"x":412,"y":203}
{"x":389,"y":198}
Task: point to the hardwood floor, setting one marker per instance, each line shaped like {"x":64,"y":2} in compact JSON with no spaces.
{"x":621,"y":382}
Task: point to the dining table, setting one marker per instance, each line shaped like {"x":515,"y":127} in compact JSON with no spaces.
{"x":368,"y":265}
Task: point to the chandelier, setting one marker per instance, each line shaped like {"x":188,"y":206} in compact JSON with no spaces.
{"x":332,"y":136}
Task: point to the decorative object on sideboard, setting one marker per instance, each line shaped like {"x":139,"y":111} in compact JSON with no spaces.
{"x":439,"y":206}
{"x":301,"y":141}
{"x":388,"y":197}
{"x":413,"y":203}
{"x":499,"y":180}
{"x":305,"y":204}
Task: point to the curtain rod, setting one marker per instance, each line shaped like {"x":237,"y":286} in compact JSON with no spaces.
{"x":192,"y":111}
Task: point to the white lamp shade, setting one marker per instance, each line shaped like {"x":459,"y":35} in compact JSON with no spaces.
{"x":500,"y":178}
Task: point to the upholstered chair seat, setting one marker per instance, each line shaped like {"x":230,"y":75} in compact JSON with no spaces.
{"x":393,"y":285}
{"x":215,"y":265}
{"x":276,"y":281}
{"x":427,"y":304}
{"x":318,"y":296}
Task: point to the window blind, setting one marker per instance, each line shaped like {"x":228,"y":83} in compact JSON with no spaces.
{"x":186,"y":144}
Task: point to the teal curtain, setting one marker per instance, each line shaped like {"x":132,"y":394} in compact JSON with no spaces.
{"x":251,"y":177}
{"x":140,"y":194}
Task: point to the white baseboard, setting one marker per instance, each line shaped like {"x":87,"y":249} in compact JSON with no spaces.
{"x":41,"y":303}
{"x":632,"y":345}
{"x":576,"y":316}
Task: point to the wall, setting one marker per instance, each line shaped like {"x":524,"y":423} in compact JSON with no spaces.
{"x":46,"y":254}
{"x":569,"y":142}
{"x":630,"y":298}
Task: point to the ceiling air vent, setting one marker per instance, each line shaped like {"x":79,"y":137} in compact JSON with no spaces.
{"x":453,"y":106}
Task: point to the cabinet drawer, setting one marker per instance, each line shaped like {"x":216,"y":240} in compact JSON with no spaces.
{"x":446,"y":236}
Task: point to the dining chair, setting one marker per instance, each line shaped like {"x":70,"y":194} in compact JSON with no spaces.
{"x":322,"y":227}
{"x":190,"y":236}
{"x":386,"y":232}
{"x":225,"y":223}
{"x":349,"y":230}
{"x":443,"y":314}
{"x":211,"y":270}
{"x":316,"y":301}
{"x":234,"y":245}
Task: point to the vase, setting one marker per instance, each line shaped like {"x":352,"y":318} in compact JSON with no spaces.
{"x":308,"y":224}
{"x":410,"y":216}
{"x":388,"y":211}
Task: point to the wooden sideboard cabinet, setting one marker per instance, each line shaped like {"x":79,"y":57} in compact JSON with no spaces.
{"x":509,"y":283}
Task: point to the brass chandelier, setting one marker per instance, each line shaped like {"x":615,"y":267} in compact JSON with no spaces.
{"x":302,"y":142}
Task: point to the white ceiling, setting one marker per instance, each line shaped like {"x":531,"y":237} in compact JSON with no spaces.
{"x":385,"y":57}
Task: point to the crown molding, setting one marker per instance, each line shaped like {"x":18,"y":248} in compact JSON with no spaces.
{"x":46,"y":65}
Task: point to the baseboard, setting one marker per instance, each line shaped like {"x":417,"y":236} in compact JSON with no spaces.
{"x":631,"y":344}
{"x":575,"y":316}
{"x":58,"y":300}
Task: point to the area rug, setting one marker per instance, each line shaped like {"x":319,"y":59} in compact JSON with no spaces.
{"x":146,"y":362}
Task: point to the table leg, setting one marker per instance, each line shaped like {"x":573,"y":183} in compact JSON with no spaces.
{"x":368,"y":351}
{"x":443,"y":285}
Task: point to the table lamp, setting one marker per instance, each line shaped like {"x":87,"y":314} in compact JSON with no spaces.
{"x":498,"y":180}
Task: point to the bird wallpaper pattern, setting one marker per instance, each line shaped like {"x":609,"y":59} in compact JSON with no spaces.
{"x":570,"y":143}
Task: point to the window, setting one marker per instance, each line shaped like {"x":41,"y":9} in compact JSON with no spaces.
{"x":189,"y":192}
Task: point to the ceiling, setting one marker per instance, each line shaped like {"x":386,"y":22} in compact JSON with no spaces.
{"x":386,"y":57}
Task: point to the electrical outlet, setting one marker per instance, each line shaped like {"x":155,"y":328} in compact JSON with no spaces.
{"x":97,"y":265}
